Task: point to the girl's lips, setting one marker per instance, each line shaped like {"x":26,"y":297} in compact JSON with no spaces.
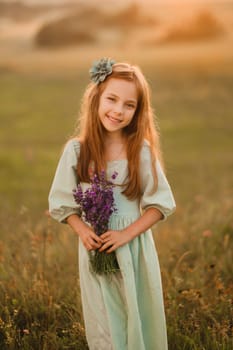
{"x":114,"y":120}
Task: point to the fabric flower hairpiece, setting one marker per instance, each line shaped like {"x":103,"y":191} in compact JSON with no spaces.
{"x":101,"y":69}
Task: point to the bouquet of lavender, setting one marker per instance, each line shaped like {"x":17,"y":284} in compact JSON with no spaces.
{"x":97,"y":205}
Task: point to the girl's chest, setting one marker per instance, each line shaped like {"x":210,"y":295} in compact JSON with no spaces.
{"x":120,"y":167}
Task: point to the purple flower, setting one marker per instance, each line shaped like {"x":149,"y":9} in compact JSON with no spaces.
{"x":97,"y":202}
{"x":114,"y":175}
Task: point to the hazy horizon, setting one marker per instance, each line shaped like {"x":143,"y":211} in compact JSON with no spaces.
{"x":56,"y":2}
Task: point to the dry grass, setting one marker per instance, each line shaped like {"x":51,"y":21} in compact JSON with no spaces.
{"x":39,"y":292}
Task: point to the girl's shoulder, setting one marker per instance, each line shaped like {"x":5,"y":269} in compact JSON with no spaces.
{"x":72,"y":145}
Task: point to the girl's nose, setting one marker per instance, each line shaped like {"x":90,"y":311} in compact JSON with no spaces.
{"x":118,"y":108}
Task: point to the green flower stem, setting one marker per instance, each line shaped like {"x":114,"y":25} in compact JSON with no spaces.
{"x":103,"y":263}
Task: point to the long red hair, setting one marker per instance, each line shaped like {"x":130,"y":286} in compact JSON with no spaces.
{"x":143,"y":126}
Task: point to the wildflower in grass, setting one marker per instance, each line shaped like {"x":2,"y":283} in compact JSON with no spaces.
{"x":207,"y":233}
{"x":97,"y":205}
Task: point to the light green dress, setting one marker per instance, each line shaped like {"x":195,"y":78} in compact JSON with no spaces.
{"x":126,"y":313}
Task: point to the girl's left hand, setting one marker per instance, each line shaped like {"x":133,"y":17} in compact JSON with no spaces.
{"x":113,"y":240}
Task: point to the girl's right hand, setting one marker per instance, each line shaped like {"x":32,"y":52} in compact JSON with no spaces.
{"x":90,"y":240}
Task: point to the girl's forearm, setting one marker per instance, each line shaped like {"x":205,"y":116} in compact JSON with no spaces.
{"x":77,"y":224}
{"x":150,"y":217}
{"x":113,"y":239}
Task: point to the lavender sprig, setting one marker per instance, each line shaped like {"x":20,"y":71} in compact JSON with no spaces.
{"x":97,"y":205}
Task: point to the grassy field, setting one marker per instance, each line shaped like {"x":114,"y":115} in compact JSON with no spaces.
{"x":39,"y":292}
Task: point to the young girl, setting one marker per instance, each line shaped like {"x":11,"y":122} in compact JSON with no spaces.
{"x":118,"y":133}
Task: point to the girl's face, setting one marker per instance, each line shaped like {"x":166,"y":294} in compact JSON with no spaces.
{"x":117,"y":105}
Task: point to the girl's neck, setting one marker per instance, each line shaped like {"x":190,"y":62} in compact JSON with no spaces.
{"x":115,"y":148}
{"x":112,"y":138}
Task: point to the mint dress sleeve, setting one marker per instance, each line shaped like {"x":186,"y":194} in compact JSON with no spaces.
{"x":61,"y":201}
{"x":162,"y":198}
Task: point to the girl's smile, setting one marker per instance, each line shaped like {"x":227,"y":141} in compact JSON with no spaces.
{"x":113,"y":120}
{"x":117,"y":105}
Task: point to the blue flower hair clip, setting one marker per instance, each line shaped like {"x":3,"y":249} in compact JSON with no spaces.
{"x":101,"y":69}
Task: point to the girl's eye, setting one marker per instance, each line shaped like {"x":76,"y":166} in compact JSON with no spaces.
{"x":129,"y":105}
{"x":111,"y":98}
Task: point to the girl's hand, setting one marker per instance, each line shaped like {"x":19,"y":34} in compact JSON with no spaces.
{"x":90,"y":240}
{"x":113,"y":240}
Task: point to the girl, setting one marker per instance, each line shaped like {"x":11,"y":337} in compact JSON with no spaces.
{"x":118,"y":134}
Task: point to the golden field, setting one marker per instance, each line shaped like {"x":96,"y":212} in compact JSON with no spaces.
{"x":41,"y":88}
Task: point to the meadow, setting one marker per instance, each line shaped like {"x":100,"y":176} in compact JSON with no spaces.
{"x":39,"y":286}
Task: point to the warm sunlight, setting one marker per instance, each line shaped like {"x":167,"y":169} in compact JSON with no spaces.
{"x":166,"y":147}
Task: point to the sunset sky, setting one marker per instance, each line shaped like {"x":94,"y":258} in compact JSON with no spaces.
{"x":135,"y":1}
